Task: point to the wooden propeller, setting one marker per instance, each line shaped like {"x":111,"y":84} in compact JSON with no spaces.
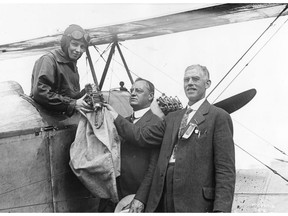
{"x":236,"y":102}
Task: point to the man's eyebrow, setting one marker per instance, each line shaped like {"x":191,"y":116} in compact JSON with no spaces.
{"x":191,"y":77}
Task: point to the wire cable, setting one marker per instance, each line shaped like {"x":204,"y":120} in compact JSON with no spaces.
{"x":151,"y":65}
{"x":246,"y":65}
{"x":248,"y":50}
{"x":274,"y":171}
{"x":278,"y":149}
{"x":132,"y":71}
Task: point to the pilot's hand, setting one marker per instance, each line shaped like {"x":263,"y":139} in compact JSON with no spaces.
{"x":136,"y":206}
{"x":111,"y":109}
{"x":82,"y":107}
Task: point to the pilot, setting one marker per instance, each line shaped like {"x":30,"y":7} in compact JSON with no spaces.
{"x":55,"y":79}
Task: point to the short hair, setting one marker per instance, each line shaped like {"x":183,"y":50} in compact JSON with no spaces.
{"x":151,"y":87}
{"x":203,"y":68}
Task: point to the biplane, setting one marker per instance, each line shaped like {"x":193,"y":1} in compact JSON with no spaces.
{"x":34,"y":143}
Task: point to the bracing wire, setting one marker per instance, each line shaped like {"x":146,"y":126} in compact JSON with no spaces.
{"x":246,"y":65}
{"x":101,"y":54}
{"x":132,"y":71}
{"x":268,"y":167}
{"x":274,"y":171}
{"x":151,"y":65}
{"x":281,"y":151}
{"x":271,"y":24}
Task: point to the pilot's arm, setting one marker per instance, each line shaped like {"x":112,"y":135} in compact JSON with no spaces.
{"x":44,"y":89}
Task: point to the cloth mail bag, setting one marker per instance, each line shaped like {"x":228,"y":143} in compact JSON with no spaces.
{"x":95,"y":154}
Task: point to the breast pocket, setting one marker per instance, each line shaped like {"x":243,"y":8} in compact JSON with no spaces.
{"x":208,"y":193}
{"x":201,"y":133}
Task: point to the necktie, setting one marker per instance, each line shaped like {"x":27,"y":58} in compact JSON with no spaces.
{"x":133,"y":118}
{"x":184,"y":122}
{"x":180,"y":134}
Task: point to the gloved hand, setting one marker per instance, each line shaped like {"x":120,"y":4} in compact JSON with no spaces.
{"x":82,"y":107}
{"x":94,"y":98}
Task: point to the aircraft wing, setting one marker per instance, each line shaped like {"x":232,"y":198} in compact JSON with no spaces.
{"x":203,"y":17}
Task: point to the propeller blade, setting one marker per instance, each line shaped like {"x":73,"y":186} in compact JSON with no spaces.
{"x":236,"y":102}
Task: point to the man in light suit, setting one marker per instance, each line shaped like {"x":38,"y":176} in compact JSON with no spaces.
{"x":196,"y":166}
{"x":138,"y":163}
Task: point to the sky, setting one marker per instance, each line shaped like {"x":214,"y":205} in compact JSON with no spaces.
{"x":258,"y":126}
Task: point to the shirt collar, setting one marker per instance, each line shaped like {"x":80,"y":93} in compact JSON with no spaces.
{"x":196,"y":105}
{"x":140,"y":113}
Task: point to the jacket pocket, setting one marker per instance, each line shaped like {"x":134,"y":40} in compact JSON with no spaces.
{"x":208,"y":193}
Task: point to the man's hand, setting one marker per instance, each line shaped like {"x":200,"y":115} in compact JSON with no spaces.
{"x":111,"y":109}
{"x":82,"y":106}
{"x":136,"y":206}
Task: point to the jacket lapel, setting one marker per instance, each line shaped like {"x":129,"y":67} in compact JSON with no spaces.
{"x":199,"y":117}
{"x":145,"y":118}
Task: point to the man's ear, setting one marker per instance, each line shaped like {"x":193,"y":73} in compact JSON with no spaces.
{"x":208,"y":84}
{"x":151,"y":96}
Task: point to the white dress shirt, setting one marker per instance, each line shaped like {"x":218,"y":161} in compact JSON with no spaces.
{"x":195,"y":107}
{"x":139,"y":113}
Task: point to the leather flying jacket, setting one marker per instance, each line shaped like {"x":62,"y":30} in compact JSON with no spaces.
{"x":55,"y":83}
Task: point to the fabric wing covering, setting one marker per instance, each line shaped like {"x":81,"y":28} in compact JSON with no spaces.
{"x":95,"y":154}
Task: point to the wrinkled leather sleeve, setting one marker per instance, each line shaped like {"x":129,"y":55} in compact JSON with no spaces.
{"x":44,"y":85}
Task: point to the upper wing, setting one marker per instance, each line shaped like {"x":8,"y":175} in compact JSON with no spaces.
{"x":212,"y":15}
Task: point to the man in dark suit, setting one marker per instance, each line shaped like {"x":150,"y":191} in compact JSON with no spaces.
{"x":196,"y":166}
{"x":138,"y":163}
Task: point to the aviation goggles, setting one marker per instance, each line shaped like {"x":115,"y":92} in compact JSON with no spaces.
{"x":78,"y":35}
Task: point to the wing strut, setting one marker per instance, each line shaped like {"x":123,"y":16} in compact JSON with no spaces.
{"x":112,"y":51}
{"x":124,"y":62}
{"x":91,"y":67}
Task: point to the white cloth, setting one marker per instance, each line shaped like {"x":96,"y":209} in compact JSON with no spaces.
{"x":95,"y":155}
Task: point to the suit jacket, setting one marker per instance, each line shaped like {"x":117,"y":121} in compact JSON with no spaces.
{"x":138,"y":164}
{"x":204,"y":171}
